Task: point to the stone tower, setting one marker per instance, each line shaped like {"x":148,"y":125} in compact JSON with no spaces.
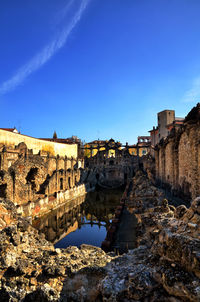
{"x":165,"y":118}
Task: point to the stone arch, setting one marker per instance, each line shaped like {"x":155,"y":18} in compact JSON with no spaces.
{"x":22,"y":147}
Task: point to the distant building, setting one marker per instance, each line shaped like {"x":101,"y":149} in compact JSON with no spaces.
{"x":14,"y":130}
{"x":142,"y":147}
{"x":11,"y":139}
{"x":165,"y":118}
{"x":91,"y":148}
{"x":166,"y":122}
{"x":70,"y":141}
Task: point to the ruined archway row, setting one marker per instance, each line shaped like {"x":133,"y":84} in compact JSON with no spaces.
{"x":26,"y":177}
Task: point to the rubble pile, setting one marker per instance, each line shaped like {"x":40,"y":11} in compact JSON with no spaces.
{"x":164,"y":267}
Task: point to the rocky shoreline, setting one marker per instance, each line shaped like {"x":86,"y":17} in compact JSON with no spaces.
{"x":164,"y":267}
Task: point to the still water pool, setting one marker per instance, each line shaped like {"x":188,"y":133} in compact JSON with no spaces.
{"x":82,"y":220}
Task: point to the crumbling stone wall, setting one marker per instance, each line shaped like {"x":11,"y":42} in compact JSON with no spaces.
{"x":177,"y":158}
{"x":164,"y":267}
{"x":114,"y":171}
{"x":27,"y":177}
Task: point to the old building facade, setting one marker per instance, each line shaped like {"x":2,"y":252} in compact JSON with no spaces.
{"x":166,"y":122}
{"x":112,"y":166}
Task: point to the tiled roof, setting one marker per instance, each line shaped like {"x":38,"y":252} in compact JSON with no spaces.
{"x":9,"y":129}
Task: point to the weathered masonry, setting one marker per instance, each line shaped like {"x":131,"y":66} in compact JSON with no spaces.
{"x":177,"y":157}
{"x":37,"y":182}
{"x":113,"y":166}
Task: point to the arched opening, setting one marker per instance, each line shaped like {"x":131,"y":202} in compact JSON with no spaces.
{"x":30,"y":178}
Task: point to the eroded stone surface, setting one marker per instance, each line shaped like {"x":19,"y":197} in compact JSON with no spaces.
{"x":164,"y":267}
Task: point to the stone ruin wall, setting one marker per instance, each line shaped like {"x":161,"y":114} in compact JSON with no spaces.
{"x":26,"y":177}
{"x":114,"y":171}
{"x":177,"y":159}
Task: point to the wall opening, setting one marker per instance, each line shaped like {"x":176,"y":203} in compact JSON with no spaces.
{"x":30,"y":178}
{"x":61,"y":183}
{"x":111,"y":163}
{"x":3,"y":190}
{"x":12,"y":173}
{"x":125,"y":177}
{"x":69,"y":183}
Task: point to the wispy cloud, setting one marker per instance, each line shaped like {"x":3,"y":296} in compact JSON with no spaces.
{"x":193,"y":94}
{"x":47,"y":52}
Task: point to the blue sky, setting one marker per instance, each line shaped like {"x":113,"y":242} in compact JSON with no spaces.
{"x":97,"y":68}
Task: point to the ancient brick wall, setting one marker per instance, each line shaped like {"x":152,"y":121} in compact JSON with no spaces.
{"x":177,"y":158}
{"x":27,"y":177}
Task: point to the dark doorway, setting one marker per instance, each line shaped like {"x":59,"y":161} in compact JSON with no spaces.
{"x":69,"y":183}
{"x":30,"y":178}
{"x":3,"y":190}
{"x":125,"y":177}
{"x":61,"y":183}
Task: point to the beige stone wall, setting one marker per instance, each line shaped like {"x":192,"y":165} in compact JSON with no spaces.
{"x":169,"y":166}
{"x":44,"y":205}
{"x":185,"y":154}
{"x":13,"y":139}
{"x":177,"y":161}
{"x":26,"y":177}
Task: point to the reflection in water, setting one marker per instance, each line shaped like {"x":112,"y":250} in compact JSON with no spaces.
{"x":82,"y":220}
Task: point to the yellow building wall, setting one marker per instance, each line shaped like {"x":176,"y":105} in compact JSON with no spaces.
{"x":141,"y":151}
{"x":87,"y":151}
{"x":13,"y":139}
{"x":132,"y":151}
{"x":111,"y":153}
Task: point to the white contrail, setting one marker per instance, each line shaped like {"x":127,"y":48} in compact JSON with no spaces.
{"x":193,"y":94}
{"x":62,"y":14}
{"x":43,"y":56}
